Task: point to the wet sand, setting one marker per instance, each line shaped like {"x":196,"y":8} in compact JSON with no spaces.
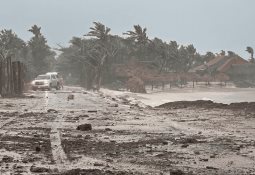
{"x":39,"y":135}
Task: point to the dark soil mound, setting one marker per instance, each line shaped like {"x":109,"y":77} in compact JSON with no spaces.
{"x":95,"y":172}
{"x":248,"y":106}
{"x":84,"y":127}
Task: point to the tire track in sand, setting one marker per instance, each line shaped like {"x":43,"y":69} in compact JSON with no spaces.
{"x":58,"y":153}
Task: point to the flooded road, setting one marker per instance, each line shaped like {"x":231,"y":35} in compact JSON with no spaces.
{"x":40,"y":135}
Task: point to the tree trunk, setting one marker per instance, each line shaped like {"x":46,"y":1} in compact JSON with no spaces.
{"x":89,"y":77}
{"x":99,"y":78}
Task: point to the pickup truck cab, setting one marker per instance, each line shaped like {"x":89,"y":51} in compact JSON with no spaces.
{"x":45,"y":82}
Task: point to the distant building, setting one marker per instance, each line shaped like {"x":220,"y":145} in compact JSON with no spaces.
{"x":218,"y":65}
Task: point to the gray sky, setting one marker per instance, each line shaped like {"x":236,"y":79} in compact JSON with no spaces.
{"x":211,"y":25}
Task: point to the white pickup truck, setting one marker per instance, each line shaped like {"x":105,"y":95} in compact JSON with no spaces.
{"x":59,"y":79}
{"x":46,"y":81}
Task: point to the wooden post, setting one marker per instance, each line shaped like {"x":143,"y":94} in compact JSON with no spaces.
{"x":1,"y":78}
{"x":4,"y":78}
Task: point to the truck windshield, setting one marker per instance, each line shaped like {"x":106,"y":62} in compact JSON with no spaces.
{"x":43,"y":77}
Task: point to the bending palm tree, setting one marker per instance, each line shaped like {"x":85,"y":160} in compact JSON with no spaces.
{"x":139,"y":35}
{"x":251,"y":51}
{"x":100,"y":52}
{"x":99,"y":31}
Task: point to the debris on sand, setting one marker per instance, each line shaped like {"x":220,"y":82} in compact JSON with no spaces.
{"x":211,"y":168}
{"x":85,"y":127}
{"x":92,"y":111}
{"x":9,"y":105}
{"x":98,"y":164}
{"x":70,"y":97}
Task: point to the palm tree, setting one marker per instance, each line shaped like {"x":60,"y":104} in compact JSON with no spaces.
{"x":251,"y":51}
{"x":35,"y":30}
{"x":100,"y":51}
{"x":139,"y":35}
{"x":100,"y":31}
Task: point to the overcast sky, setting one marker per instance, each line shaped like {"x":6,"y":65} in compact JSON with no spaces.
{"x":211,"y":25}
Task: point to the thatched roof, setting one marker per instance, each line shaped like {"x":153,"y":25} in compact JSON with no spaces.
{"x":220,"y":64}
{"x":231,"y":62}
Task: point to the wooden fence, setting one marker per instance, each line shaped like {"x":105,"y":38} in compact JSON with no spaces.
{"x":11,"y":78}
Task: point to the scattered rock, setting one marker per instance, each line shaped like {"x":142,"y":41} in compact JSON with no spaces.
{"x":177,"y":172}
{"x":204,"y":160}
{"x":213,"y":156}
{"x":98,"y":164}
{"x":196,"y":152}
{"x":91,"y":119}
{"x":160,"y":155}
{"x":165,"y":142}
{"x":70,"y":97}
{"x":188,"y":140}
{"x":87,"y":137}
{"x":36,"y":169}
{"x":7,"y":159}
{"x":52,"y":111}
{"x":84,"y":127}
{"x":84,"y":116}
{"x":185,"y":145}
{"x":92,"y":111}
{"x":37,"y":148}
{"x":108,"y":129}
{"x":211,"y":168}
